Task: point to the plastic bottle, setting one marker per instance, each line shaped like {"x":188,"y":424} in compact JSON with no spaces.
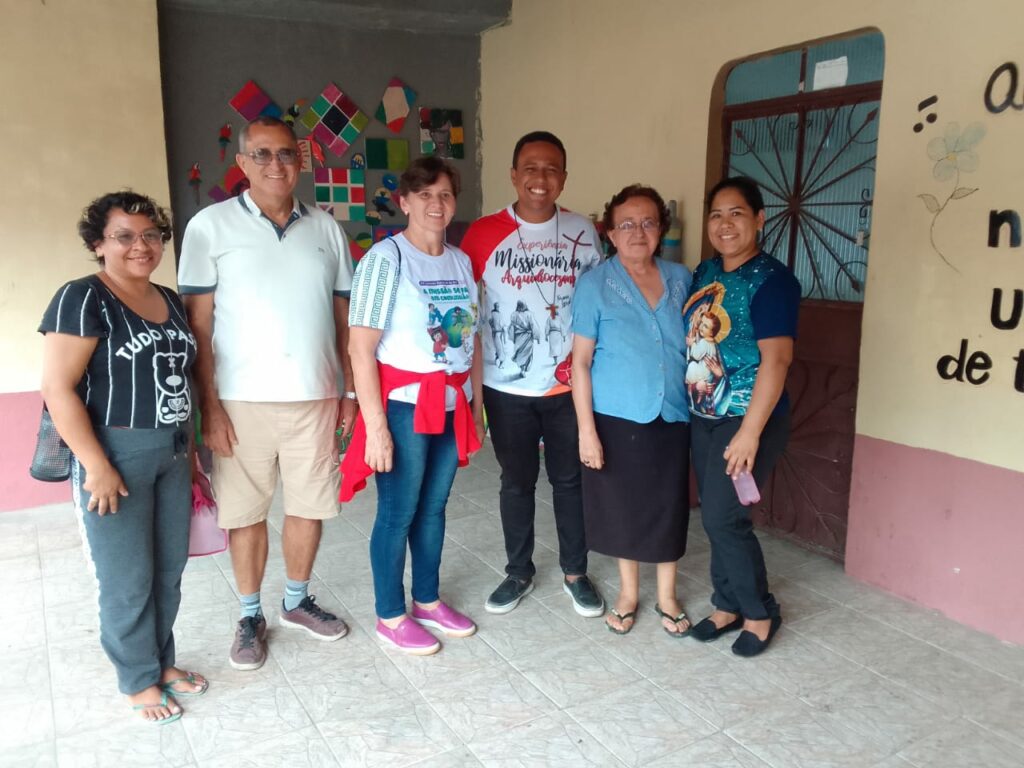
{"x":672,"y":242}
{"x":746,"y":488}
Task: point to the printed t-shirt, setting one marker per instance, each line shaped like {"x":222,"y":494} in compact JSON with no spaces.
{"x":138,"y":376}
{"x":274,"y":335}
{"x":426,"y":305}
{"x":529,"y":274}
{"x":724,"y":318}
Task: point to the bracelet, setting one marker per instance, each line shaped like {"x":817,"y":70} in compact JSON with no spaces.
{"x":350,"y":396}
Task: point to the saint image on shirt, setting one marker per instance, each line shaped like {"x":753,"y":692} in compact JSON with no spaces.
{"x":525,"y":333}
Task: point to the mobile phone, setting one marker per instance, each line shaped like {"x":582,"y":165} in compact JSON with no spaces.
{"x":746,"y":488}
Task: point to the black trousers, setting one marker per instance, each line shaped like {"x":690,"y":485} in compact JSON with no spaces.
{"x":738,"y":572}
{"x":517,"y":423}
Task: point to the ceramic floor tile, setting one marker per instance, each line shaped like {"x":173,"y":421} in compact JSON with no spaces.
{"x":18,"y":540}
{"x":126,"y":744}
{"x":39,"y":755}
{"x":22,"y":620}
{"x":366,"y":688}
{"x":229,"y":718}
{"x":458,"y":656}
{"x":782,"y":557}
{"x":304,"y":748}
{"x":460,"y":757}
{"x":403,"y":734}
{"x":722,"y":688}
{"x":963,"y":745}
{"x":798,"y":602}
{"x":853,"y":635}
{"x":552,"y":740}
{"x":63,"y":535}
{"x":793,"y":736}
{"x":528,"y":630}
{"x":26,"y":708}
{"x":716,"y":751}
{"x":828,"y":578}
{"x":21,"y":569}
{"x":575,"y":672}
{"x":484,"y":703}
{"x":880,"y":711}
{"x":639,"y":723}
{"x":797,"y":665}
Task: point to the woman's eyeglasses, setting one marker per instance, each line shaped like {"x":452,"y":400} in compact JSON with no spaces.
{"x":128,"y":239}
{"x":647,"y":225}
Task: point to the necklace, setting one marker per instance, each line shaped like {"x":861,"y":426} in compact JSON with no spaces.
{"x":552,"y":305}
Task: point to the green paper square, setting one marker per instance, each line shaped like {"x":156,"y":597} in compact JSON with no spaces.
{"x":356,"y":176}
{"x":349,"y":133}
{"x":377,"y":154}
{"x":356,"y":213}
{"x":310,"y":119}
{"x":360,"y":120}
{"x":322,"y":193}
{"x":458,"y":151}
{"x":320,"y":106}
{"x":398,"y":154}
{"x":339,"y":194}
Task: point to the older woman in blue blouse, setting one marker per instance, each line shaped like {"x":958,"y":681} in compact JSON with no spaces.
{"x":629,"y":359}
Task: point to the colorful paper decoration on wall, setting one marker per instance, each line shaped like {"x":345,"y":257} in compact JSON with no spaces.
{"x":387,"y":154}
{"x":340,"y":192}
{"x":355,"y":248}
{"x":358,"y":160}
{"x":382,"y":202}
{"x":334,"y":119}
{"x":224,"y":139}
{"x":395,"y":104}
{"x":232,"y":185}
{"x":292,"y":114}
{"x":251,"y":101}
{"x":195,"y":179}
{"x":441,"y":133}
{"x":305,"y":155}
{"x":390,"y":181}
{"x":384,"y":231}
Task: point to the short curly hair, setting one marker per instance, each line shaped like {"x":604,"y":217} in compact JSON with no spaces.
{"x":628,"y":193}
{"x":95,"y":215}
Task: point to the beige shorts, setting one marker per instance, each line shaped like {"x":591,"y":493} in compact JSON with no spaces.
{"x":293,"y":441}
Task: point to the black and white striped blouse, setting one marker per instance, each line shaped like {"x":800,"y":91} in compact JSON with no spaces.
{"x":138,"y":376}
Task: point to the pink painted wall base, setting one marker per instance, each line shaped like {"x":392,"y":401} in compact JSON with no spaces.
{"x":941,"y":531}
{"x":19,"y":415}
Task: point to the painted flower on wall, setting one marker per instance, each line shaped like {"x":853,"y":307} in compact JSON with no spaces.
{"x":953,"y":153}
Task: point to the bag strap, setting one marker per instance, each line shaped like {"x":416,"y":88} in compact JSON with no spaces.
{"x":398,"y":252}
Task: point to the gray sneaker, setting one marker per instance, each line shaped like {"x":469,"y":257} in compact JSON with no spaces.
{"x":318,"y":623}
{"x":585,"y":598}
{"x":249,"y":650}
{"x":508,"y":594}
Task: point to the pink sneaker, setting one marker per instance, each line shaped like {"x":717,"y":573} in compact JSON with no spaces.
{"x":409,"y":637}
{"x":444,"y":618}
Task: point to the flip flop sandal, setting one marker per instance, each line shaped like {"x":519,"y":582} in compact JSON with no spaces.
{"x":190,"y":678}
{"x":675,"y":620}
{"x":623,"y":618}
{"x":164,"y":702}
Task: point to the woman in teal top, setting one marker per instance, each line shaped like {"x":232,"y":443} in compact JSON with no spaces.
{"x":741,"y":321}
{"x":628,"y":368}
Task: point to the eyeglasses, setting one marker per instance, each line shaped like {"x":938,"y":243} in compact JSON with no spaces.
{"x":647,"y":225}
{"x":127,"y":239}
{"x":264,"y":156}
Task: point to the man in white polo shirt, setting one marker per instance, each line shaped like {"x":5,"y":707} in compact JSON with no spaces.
{"x":266,"y":281}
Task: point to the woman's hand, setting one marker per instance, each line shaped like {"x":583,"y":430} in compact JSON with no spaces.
{"x":741,"y":452}
{"x":379,"y":448}
{"x":591,"y":453}
{"x":478,"y":422}
{"x":105,"y":487}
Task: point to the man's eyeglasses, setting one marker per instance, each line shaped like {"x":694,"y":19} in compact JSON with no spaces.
{"x":264,"y":156}
{"x":128,"y":239}
{"x":647,"y":225}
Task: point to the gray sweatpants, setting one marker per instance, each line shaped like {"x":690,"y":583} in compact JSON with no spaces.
{"x":140,"y":552}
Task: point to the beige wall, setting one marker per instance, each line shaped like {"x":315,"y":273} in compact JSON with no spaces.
{"x":81,"y":82}
{"x":627,"y":86}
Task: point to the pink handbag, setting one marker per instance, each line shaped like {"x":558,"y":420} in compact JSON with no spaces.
{"x":205,"y":537}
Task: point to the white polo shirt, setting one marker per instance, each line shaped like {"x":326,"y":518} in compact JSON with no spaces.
{"x":274,"y":289}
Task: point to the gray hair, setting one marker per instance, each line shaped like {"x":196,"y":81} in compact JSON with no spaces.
{"x":266,"y":121}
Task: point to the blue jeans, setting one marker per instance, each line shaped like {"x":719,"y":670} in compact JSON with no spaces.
{"x":411,"y":500}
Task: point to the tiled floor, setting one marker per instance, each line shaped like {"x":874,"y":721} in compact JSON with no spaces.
{"x":855,"y":677}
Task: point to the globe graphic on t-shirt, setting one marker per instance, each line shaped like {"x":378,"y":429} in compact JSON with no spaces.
{"x":458,"y":324}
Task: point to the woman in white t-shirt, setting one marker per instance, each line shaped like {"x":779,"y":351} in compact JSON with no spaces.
{"x":413,"y":331}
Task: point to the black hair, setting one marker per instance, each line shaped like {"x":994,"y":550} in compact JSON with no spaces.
{"x":628,"y":193}
{"x":424,"y":171}
{"x":95,"y":215}
{"x":267,"y":122}
{"x":745,"y":185}
{"x":544,"y":136}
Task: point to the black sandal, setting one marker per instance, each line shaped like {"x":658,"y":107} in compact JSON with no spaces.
{"x":623,"y":618}
{"x":675,"y":620}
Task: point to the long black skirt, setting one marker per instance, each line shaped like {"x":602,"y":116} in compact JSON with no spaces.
{"x":637,"y":506}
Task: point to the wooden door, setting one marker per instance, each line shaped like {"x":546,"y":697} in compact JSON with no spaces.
{"x":814,"y":157}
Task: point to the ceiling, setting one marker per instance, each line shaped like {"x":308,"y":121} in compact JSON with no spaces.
{"x":452,"y":17}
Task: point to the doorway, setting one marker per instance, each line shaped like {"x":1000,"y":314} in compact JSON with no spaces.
{"x":804,"y":124}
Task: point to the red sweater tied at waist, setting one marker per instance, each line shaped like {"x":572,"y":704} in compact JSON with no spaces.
{"x":428,"y":419}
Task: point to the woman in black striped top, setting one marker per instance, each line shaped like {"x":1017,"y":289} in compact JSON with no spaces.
{"x":116,"y":360}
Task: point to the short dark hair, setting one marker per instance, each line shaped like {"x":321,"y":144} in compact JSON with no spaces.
{"x":95,"y":215}
{"x":544,"y":136}
{"x":745,"y":185}
{"x":628,"y":193}
{"x":267,"y":122}
{"x":424,"y":171}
